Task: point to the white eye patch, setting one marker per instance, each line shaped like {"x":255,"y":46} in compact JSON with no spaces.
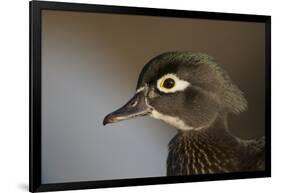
{"x":170,"y":83}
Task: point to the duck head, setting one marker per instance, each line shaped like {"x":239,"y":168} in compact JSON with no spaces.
{"x":186,"y":90}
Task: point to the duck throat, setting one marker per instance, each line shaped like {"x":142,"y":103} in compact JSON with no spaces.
{"x":207,"y":151}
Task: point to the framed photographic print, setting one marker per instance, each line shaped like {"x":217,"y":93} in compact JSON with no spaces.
{"x":125,"y":96}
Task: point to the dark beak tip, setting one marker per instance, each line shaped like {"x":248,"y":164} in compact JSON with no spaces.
{"x":104,"y":122}
{"x":108,"y":119}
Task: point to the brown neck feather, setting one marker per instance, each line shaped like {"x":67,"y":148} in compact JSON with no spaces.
{"x":210,"y":150}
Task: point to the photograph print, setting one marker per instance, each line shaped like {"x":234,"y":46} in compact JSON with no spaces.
{"x":146,"y":97}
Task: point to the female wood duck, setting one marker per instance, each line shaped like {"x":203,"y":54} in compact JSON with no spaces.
{"x":192,"y":93}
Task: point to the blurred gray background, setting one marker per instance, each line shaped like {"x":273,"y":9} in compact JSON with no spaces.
{"x":90,"y":66}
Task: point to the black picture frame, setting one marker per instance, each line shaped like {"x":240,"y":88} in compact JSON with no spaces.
{"x":36,"y":8}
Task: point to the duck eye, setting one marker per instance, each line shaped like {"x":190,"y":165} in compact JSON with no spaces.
{"x":171,"y":83}
{"x":168,"y":83}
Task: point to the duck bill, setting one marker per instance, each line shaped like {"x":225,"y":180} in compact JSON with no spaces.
{"x":135,"y":107}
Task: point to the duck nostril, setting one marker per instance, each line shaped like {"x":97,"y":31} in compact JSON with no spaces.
{"x":134,"y":103}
